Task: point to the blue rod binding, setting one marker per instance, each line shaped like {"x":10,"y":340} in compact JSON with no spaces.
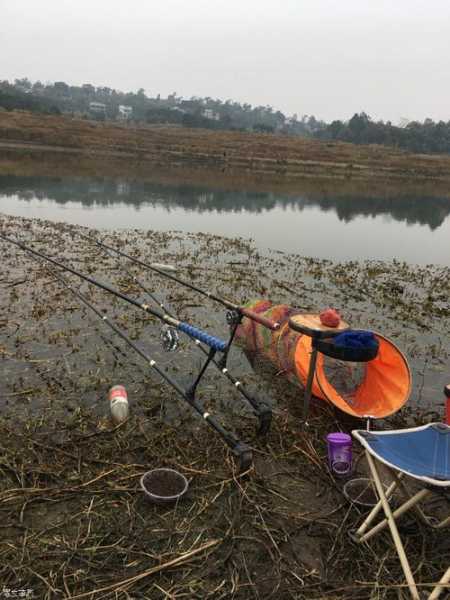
{"x":202,"y":336}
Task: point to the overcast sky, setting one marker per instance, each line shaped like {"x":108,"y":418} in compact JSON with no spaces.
{"x":322,"y":57}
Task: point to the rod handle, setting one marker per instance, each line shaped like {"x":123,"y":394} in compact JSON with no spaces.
{"x":210,"y":340}
{"x":273,"y":325}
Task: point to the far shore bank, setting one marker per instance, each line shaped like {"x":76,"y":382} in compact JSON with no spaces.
{"x":60,"y":146}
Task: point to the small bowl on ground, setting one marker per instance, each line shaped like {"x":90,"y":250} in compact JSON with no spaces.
{"x":360,"y":491}
{"x":164,"y":486}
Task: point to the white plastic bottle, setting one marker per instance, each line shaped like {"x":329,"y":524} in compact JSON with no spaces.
{"x":118,"y":401}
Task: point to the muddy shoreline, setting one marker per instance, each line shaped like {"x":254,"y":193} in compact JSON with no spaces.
{"x":74,"y":520}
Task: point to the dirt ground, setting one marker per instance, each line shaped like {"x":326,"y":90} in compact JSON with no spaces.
{"x":75,"y":523}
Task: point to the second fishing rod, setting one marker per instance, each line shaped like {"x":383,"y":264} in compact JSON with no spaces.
{"x":260,"y":408}
{"x":237,"y":312}
{"x":214,"y":343}
{"x":241,"y":451}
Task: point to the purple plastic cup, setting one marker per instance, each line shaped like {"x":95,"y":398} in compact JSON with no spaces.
{"x":340,"y":453}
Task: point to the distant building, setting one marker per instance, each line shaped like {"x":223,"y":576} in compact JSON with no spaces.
{"x":209,"y":113}
{"x":125,"y":112}
{"x":97,"y":109}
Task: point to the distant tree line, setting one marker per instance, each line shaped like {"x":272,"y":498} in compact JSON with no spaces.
{"x":209,"y":113}
{"x":12,"y":99}
{"x":426,"y":137}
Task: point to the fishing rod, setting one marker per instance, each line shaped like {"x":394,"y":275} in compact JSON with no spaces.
{"x":241,"y":451}
{"x":238,"y":312}
{"x":214,"y":343}
{"x":260,"y":408}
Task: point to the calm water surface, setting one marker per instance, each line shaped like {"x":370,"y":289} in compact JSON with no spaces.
{"x":340,"y":227}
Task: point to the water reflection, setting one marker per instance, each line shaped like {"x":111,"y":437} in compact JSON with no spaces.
{"x":424,"y":210}
{"x":337,"y":225}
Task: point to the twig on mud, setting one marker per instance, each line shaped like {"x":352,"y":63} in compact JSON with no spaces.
{"x":126,"y":583}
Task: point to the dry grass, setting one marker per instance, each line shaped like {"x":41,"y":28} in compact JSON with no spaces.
{"x":231,"y":154}
{"x":74,"y":523}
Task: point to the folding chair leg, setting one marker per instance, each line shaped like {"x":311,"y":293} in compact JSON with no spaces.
{"x":441,"y":586}
{"x":419,"y":512}
{"x":375,"y":510}
{"x":442,"y":524}
{"x":397,"y":513}
{"x":394,"y":531}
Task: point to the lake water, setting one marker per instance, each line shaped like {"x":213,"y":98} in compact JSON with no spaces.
{"x":415,"y":229}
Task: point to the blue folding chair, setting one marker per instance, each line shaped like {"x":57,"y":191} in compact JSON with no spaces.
{"x":422,"y":453}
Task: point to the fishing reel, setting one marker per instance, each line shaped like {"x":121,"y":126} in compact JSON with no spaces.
{"x":169,"y":338}
{"x":233,"y":318}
